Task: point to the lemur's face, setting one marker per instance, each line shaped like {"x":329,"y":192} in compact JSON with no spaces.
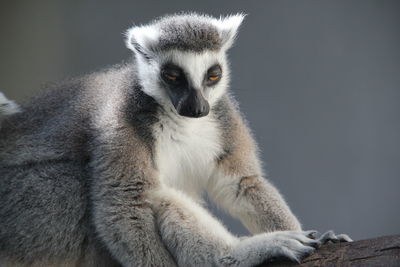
{"x":193,"y":81}
{"x":182,"y":61}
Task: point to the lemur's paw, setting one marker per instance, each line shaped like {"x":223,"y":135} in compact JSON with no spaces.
{"x":332,"y":237}
{"x":274,"y":246}
{"x":293,"y":245}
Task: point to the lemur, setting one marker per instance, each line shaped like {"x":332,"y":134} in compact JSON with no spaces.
{"x":109,"y":169}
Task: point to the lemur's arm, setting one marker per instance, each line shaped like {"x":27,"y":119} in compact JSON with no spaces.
{"x":238,"y":185}
{"x":122,"y":216}
{"x":195,"y":238}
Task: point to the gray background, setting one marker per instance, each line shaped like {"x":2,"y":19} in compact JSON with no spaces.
{"x":319,"y":82}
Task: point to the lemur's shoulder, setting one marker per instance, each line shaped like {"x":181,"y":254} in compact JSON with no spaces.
{"x":228,"y":114}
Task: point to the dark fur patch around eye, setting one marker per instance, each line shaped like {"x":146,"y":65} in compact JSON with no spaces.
{"x":169,"y":70}
{"x":213,"y":71}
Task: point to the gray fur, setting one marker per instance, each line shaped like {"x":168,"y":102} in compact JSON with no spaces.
{"x":79,"y":185}
{"x":189,"y":32}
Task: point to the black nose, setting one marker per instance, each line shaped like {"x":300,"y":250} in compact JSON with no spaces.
{"x":194,"y":105}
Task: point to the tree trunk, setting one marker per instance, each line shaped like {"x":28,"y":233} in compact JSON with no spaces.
{"x":381,"y":251}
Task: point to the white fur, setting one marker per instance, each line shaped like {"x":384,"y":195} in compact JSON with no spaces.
{"x":228,"y":27}
{"x":142,"y":35}
{"x":186,"y":149}
{"x":222,"y":189}
{"x":7,"y":107}
{"x":201,"y":216}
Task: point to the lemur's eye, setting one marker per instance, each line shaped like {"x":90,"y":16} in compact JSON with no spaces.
{"x":171,"y":73}
{"x":170,"y":77}
{"x":213,"y":77}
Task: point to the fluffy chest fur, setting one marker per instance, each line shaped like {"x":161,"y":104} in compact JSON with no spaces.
{"x":186,"y":150}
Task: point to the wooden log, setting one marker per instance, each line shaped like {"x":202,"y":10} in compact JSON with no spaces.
{"x":376,"y":252}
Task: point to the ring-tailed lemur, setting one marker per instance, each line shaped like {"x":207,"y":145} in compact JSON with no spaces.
{"x":109,"y":169}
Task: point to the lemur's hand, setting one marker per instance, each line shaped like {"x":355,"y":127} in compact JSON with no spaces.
{"x":267,"y":247}
{"x":332,"y":237}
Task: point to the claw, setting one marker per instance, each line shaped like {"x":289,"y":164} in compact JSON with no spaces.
{"x":311,"y":234}
{"x":315,"y":244}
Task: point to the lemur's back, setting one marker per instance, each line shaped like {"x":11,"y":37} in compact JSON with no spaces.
{"x":55,"y":125}
{"x":44,"y":178}
{"x":42,"y":128}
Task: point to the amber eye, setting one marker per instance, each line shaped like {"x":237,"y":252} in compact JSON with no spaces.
{"x":213,"y":77}
{"x":170,"y":77}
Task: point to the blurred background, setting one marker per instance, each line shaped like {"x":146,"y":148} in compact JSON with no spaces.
{"x":318,"y":81}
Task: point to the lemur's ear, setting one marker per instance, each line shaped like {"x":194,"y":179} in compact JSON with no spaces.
{"x":140,"y":39}
{"x":228,"y":28}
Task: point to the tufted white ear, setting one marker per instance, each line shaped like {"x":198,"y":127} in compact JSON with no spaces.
{"x":140,"y":39}
{"x":228,"y":27}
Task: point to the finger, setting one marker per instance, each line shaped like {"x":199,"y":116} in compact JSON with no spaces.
{"x":307,"y":240}
{"x":344,"y":238}
{"x":328,"y":236}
